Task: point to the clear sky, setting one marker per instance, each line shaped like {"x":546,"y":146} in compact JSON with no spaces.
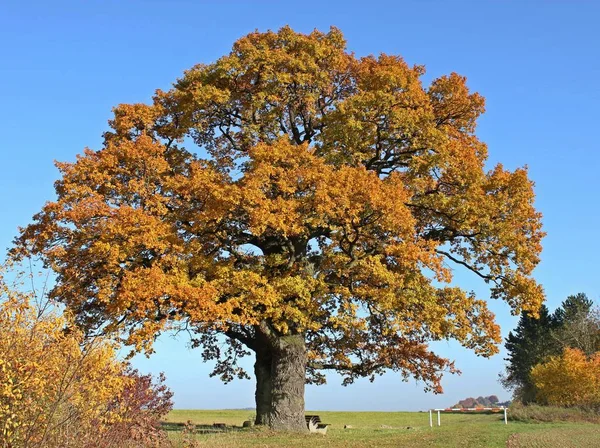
{"x":65,"y":64}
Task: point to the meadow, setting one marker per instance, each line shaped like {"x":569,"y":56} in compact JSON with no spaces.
{"x":393,"y":429}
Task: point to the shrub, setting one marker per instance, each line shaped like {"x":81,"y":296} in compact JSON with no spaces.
{"x":61,"y":389}
{"x":533,"y":413}
{"x":571,"y":379}
{"x":141,"y":405}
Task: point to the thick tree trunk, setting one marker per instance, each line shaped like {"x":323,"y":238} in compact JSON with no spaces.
{"x":288,"y":376}
{"x":262,"y":371}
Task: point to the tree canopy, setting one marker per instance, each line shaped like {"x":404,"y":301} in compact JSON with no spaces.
{"x":292,"y":189}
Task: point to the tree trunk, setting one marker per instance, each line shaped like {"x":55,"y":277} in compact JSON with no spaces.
{"x":288,"y":376}
{"x":262,"y":371}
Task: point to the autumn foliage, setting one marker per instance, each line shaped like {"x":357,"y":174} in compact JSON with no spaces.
{"x":307,"y":204}
{"x":575,"y":324}
{"x":571,"y":379}
{"x":59,"y":390}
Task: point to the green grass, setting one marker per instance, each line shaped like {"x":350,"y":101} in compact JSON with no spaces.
{"x":565,"y":437}
{"x":396,"y":429}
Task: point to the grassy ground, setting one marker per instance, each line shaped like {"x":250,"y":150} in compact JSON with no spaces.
{"x":396,"y":429}
{"x":565,"y":437}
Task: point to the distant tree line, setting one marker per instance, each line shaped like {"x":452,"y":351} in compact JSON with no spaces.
{"x":553,"y":357}
{"x":480,"y":402}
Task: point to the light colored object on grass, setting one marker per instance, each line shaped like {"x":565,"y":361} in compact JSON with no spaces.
{"x":348,"y":426}
{"x":314,"y":424}
{"x":461,"y":410}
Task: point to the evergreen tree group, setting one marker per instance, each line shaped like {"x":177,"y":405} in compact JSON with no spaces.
{"x":575,"y":324}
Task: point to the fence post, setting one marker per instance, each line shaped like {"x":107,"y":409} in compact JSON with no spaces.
{"x":505,"y":419}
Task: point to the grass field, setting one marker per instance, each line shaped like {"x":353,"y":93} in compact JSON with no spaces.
{"x":396,"y":429}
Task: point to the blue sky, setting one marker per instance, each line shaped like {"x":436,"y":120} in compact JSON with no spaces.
{"x":65,"y":64}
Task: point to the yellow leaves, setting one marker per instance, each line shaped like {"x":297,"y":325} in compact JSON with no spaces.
{"x":48,"y":374}
{"x":357,"y":197}
{"x":132,"y":120}
{"x":453,"y":104}
{"x":289,"y":190}
{"x":61,"y":388}
{"x":324,"y":194}
{"x":571,"y":379}
{"x":469,"y":321}
{"x":278,"y":190}
{"x":10,"y":394}
{"x":386,"y":120}
{"x":518,"y":223}
{"x":388,"y":74}
{"x":284,"y":300}
{"x":287,"y":57}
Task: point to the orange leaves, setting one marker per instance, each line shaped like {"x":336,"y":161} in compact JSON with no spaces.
{"x":279,"y":190}
{"x":453,"y":104}
{"x":325,"y":195}
{"x":268,"y":62}
{"x":289,"y":190}
{"x":384,"y":121}
{"x":571,"y":379}
{"x":469,"y":321}
{"x":132,"y":120}
{"x":356,"y":197}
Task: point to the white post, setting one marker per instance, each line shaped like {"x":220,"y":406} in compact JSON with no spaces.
{"x":439,"y":423}
{"x":430,"y":419}
{"x":505,"y":419}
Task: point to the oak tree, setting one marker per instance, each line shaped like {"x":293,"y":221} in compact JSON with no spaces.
{"x":307,"y":204}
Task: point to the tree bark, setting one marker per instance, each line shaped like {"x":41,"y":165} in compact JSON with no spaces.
{"x":288,"y":376}
{"x":262,"y":371}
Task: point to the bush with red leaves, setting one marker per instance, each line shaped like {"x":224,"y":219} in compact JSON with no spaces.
{"x":142,"y":404}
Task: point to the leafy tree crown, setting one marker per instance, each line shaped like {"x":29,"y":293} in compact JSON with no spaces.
{"x":294,"y":188}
